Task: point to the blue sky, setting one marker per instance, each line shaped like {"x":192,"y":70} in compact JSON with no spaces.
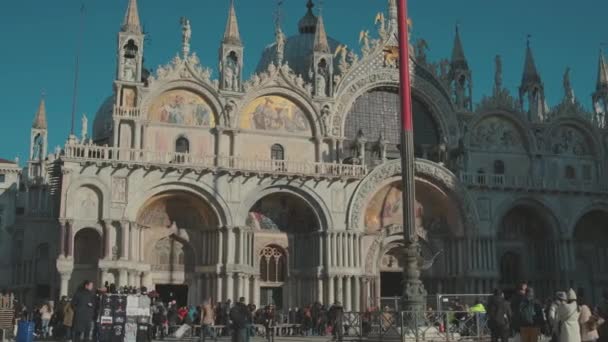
{"x":39,"y":38}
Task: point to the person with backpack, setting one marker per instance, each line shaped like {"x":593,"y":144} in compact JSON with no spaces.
{"x":568,"y":315}
{"x":499,"y":316}
{"x":240,"y":317}
{"x":531,"y":318}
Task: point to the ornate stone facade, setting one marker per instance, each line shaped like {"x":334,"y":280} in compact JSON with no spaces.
{"x":254,"y":187}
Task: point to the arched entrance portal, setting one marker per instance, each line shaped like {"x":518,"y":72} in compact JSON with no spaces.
{"x":175,"y":222}
{"x":87,"y":252}
{"x":526,"y":249}
{"x":591,"y":252}
{"x":287,"y":229}
{"x":439,"y":226}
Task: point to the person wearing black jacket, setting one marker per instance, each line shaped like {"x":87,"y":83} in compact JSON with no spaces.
{"x":336,"y":317}
{"x":499,"y":316}
{"x":240,"y":317}
{"x":84,"y":311}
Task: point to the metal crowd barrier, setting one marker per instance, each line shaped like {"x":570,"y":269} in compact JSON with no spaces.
{"x":389,"y":326}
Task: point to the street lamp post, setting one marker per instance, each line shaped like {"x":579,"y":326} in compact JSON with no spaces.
{"x":413,"y":298}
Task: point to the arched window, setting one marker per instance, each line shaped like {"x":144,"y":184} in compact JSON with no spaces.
{"x":130,"y":49}
{"x":272,"y":265}
{"x":499,"y":167}
{"x":277,"y":152}
{"x":570,"y":172}
{"x":182,"y":145}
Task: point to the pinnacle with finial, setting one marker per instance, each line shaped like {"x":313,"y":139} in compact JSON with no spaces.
{"x":232,"y":34}
{"x":531,"y":75}
{"x":602,"y":72}
{"x":458,"y":58}
{"x":321,"y":44}
{"x":131,"y":22}
{"x":40,"y":118}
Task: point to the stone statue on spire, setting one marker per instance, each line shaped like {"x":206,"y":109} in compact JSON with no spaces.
{"x":85,"y":127}
{"x":186,"y":35}
{"x":568,"y":91}
{"x":498,"y":74}
{"x":280,"y":41}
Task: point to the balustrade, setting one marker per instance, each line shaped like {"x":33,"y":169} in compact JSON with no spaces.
{"x":126,"y":112}
{"x":94,"y":153}
{"x":505,"y":182}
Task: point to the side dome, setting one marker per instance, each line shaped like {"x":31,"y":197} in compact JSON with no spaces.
{"x":102,"y":125}
{"x":298,"y":48}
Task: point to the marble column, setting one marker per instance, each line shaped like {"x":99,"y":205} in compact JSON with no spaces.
{"x":137,"y":135}
{"x":348,"y":296}
{"x":357,"y":295}
{"x":141,"y":244}
{"x":340,"y":289}
{"x":320,"y":290}
{"x":116,"y":132}
{"x":331,"y":291}
{"x":334,"y":250}
{"x":230,"y":287}
{"x":124,"y":253}
{"x":107,"y":239}
{"x":62,"y":234}
{"x":123,"y":277}
{"x":218,"y":289}
{"x":70,"y":239}
{"x":65,"y":282}
{"x":247,"y":289}
{"x":256,"y":291}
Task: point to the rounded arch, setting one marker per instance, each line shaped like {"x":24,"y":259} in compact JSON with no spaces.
{"x":592,"y":138}
{"x":310,"y":197}
{"x":601,"y":206}
{"x":522,"y":129}
{"x":187,"y":184}
{"x":541,"y":208}
{"x":426,"y":91}
{"x":439,"y":175}
{"x":184,"y":209}
{"x":301,"y":102}
{"x":87,"y":247}
{"x":93,"y":183}
{"x":205,"y":91}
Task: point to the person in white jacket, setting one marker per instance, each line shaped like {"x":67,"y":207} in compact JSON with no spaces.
{"x":568,"y":314}
{"x":560,"y":297}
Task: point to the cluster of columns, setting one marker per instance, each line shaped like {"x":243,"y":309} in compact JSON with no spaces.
{"x":221,"y":287}
{"x":343,"y":249}
{"x":346,"y":289}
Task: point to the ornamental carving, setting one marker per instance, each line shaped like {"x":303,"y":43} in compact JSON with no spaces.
{"x":278,"y":76}
{"x":441,"y":176}
{"x":500,"y":100}
{"x":184,"y":68}
{"x":569,"y":141}
{"x":496,"y":134}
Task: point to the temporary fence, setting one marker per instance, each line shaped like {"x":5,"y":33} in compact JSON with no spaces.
{"x":448,"y":301}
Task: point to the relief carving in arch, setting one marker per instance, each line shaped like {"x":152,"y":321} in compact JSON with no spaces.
{"x":497,"y":134}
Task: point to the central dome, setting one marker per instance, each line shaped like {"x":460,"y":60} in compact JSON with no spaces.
{"x":298,"y":48}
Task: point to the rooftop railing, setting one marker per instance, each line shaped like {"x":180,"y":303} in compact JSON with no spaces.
{"x":507,"y":182}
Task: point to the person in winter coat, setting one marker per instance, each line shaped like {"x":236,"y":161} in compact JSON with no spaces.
{"x":240,"y":317}
{"x":531,"y":318}
{"x":336,"y":316}
{"x":568,"y":315}
{"x":45,"y":316}
{"x":516,"y":300}
{"x":84,"y":311}
{"x":68,"y":318}
{"x":499,"y":316}
{"x":560,"y":298}
{"x":207,"y":318}
{"x":589,"y":323}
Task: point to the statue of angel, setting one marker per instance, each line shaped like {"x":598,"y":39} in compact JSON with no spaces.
{"x":364,"y":39}
{"x":381,"y":22}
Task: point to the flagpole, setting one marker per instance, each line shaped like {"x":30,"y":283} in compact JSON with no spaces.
{"x":413,"y":298}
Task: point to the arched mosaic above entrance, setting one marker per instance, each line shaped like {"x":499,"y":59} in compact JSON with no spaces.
{"x":183,"y":209}
{"x":282,"y":212}
{"x":181,"y":107}
{"x":276,"y":114}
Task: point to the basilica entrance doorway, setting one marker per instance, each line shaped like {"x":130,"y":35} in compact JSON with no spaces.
{"x":171,"y":292}
{"x":271,"y":295}
{"x":87,"y":252}
{"x":273,"y":263}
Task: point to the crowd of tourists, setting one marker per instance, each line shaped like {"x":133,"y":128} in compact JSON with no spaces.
{"x":565,"y":318}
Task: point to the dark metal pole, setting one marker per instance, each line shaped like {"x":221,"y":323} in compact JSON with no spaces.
{"x":413,"y":298}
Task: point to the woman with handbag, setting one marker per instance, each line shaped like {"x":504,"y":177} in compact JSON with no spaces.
{"x":589,"y":323}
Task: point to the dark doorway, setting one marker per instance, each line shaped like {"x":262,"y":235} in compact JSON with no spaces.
{"x":178,"y":293}
{"x":390,"y":284}
{"x":271,"y":295}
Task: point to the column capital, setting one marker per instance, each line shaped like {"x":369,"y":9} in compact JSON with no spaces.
{"x":107,"y":222}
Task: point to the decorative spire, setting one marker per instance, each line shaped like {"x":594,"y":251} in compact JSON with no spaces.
{"x":231,"y":34}
{"x":321,"y":44}
{"x":602,"y":73}
{"x":131,"y":23}
{"x":459,"y":61}
{"x":392,"y":11}
{"x":531,"y":75}
{"x":40,"y":119}
{"x":308,"y":23}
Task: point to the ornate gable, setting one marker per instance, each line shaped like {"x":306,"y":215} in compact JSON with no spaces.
{"x":183,"y":69}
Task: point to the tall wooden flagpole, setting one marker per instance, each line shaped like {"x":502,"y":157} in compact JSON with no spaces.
{"x":413,"y":298}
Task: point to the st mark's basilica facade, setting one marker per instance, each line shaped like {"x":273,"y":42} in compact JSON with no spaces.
{"x":285,"y":187}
